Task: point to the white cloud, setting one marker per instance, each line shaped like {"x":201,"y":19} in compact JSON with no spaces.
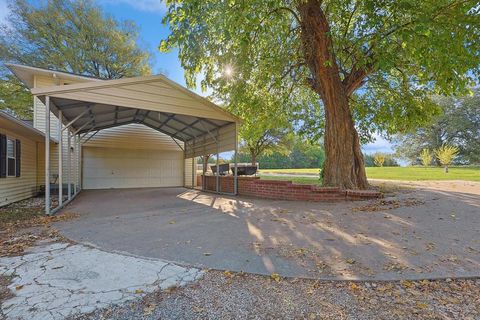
{"x":379,"y":145}
{"x":143,"y":5}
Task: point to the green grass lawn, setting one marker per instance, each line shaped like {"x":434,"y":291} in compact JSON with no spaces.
{"x":388,"y":173}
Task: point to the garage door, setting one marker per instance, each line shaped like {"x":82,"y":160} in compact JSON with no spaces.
{"x":105,"y":168}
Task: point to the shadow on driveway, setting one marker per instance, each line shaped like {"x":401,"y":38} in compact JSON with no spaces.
{"x":418,"y":233}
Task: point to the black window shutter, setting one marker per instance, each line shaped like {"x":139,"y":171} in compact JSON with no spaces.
{"x":3,"y":156}
{"x":18,"y":164}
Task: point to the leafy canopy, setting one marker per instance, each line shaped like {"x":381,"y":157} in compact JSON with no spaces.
{"x":66,"y":35}
{"x":407,"y":49}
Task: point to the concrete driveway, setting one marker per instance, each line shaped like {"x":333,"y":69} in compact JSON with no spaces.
{"x":421,"y":232}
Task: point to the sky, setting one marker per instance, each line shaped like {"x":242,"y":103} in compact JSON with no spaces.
{"x":147,"y":14}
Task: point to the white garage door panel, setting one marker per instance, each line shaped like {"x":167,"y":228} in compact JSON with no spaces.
{"x":105,"y":168}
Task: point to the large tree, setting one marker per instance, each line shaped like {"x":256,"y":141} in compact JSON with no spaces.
{"x":66,"y":35}
{"x":398,"y":51}
{"x":457,"y":125}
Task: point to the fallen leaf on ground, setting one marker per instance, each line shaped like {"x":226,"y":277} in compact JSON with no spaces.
{"x":276,"y":277}
{"x":148,"y":310}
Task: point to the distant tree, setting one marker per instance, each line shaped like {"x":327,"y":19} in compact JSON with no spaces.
{"x":426,"y":157}
{"x":379,"y":159}
{"x":297,"y":153}
{"x":66,"y":35}
{"x":459,"y":124}
{"x":257,"y":141}
{"x":445,"y":155}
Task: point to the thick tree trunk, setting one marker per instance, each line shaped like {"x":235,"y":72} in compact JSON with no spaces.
{"x":254,"y":158}
{"x":344,"y":165}
{"x":205,"y":162}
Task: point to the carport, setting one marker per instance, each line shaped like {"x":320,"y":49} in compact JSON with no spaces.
{"x":196,"y":125}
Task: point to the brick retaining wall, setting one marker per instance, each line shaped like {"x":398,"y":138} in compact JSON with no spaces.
{"x":285,"y":190}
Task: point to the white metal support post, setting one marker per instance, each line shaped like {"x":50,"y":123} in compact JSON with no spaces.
{"x":217,"y":177}
{"x":76,"y":163}
{"x":194,"y":172}
{"x":69,"y":165}
{"x":79,"y":152}
{"x":185,"y":146}
{"x":204,"y":165}
{"x":47,"y":155}
{"x":60,"y":159}
{"x":235,"y":175}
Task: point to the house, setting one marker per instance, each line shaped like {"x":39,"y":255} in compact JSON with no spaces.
{"x":21,"y":159}
{"x":124,"y":133}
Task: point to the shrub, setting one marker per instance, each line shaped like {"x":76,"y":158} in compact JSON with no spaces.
{"x":379,"y":159}
{"x":426,"y":157}
{"x":445,"y":155}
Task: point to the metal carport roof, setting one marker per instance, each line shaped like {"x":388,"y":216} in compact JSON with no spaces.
{"x":154,"y":101}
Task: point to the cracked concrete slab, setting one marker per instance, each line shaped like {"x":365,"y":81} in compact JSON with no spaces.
{"x":58,"y":280}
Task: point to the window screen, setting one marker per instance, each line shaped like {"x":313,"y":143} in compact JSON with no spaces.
{"x":11,"y":158}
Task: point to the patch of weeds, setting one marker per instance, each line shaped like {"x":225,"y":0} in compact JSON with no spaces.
{"x":22,"y":210}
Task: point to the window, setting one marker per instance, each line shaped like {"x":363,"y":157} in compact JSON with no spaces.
{"x":11,"y":158}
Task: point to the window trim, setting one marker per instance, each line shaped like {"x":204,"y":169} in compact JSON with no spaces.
{"x":7,"y":157}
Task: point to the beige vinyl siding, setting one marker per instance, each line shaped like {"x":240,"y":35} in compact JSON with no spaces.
{"x":160,"y":103}
{"x":155,"y":93}
{"x":39,"y":123}
{"x":188,"y":173}
{"x":14,"y":189}
{"x":207,"y":144}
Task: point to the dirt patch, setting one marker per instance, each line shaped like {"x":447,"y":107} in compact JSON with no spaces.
{"x":227,"y":295}
{"x":389,"y":204}
{"x":24,"y":223}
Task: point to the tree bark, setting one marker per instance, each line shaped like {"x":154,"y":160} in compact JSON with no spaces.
{"x":254,"y":158}
{"x":344,"y":164}
{"x":205,"y":162}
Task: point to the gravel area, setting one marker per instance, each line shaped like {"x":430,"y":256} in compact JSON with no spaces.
{"x":226,"y":295}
